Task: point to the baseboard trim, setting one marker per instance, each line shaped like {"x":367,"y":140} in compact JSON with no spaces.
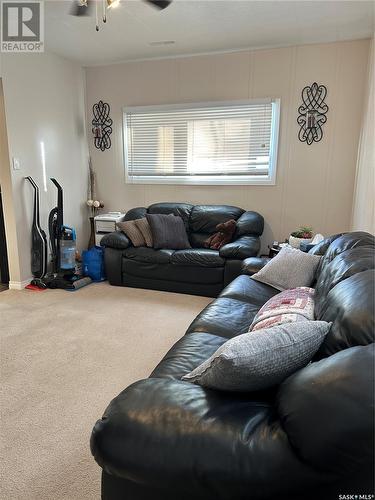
{"x":19,"y":285}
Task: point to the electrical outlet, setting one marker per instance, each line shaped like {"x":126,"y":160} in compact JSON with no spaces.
{"x":16,"y":163}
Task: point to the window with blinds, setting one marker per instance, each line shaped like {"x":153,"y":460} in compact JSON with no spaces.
{"x":215,"y":143}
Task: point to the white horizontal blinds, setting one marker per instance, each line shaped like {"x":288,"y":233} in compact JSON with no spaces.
{"x":202,"y":141}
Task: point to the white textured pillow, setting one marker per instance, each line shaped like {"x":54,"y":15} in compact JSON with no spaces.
{"x":291,"y":268}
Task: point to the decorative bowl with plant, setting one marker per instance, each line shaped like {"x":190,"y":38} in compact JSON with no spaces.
{"x":302,"y":235}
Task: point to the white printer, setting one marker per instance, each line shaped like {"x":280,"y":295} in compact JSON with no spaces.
{"x":106,"y":223}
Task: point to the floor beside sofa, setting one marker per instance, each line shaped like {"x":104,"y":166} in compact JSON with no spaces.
{"x":64,"y":355}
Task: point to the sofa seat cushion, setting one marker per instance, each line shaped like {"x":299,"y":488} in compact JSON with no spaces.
{"x":186,"y":354}
{"x":197,"y":257}
{"x":246,"y":289}
{"x":225,"y":317}
{"x":232,"y":313}
{"x":145,"y":254}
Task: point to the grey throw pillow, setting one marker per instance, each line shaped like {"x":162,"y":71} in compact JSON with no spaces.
{"x":261,"y":359}
{"x":168,"y":231}
{"x":291,"y":268}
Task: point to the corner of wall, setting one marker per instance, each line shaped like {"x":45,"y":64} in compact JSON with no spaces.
{"x":363,"y":209}
{"x":7,"y":196}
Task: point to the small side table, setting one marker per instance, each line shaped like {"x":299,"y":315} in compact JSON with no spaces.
{"x":273,"y":251}
{"x":106,"y":223}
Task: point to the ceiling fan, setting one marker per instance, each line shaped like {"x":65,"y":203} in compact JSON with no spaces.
{"x":85,"y":7}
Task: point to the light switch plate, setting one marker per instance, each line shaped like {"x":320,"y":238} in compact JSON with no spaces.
{"x":16,"y":163}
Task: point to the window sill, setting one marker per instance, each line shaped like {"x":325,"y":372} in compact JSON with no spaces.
{"x":234,"y":181}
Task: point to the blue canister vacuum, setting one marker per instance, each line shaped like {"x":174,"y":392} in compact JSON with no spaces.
{"x":62,"y":238}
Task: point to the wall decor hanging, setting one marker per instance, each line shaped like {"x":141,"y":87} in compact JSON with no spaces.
{"x":312,"y":113}
{"x":101,"y":125}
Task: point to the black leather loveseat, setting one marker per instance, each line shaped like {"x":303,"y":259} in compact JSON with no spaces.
{"x":197,"y":271}
{"x":309,"y":439}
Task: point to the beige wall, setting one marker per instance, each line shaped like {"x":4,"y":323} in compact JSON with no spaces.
{"x":364,"y":196}
{"x":314,"y":183}
{"x":44,"y":101}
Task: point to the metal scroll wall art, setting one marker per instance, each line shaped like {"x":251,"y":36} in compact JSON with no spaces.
{"x":312,"y":113}
{"x":102,"y":125}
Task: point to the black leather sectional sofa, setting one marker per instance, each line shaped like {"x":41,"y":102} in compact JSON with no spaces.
{"x":197,"y":271}
{"x":311,"y":438}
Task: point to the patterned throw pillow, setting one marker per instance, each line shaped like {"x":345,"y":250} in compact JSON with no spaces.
{"x":289,"y":269}
{"x":258,"y":360}
{"x":145,"y":229}
{"x":131,"y":230}
{"x":285,"y":307}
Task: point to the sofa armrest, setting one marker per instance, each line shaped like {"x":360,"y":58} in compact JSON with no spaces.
{"x":250,"y":223}
{"x":246,"y":246}
{"x":117,"y":240}
{"x":168,"y":433}
{"x":252,"y":265}
{"x":327,"y":411}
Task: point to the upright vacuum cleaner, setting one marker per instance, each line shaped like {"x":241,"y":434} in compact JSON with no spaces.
{"x":63,"y":249}
{"x":38,"y":244}
{"x":62,"y":245}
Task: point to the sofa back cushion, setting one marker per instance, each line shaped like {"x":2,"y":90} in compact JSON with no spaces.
{"x":342,"y":243}
{"x":136,"y":213}
{"x":350,"y":307}
{"x":342,"y":267}
{"x":344,"y":292}
{"x":183,"y":210}
{"x":205,"y":218}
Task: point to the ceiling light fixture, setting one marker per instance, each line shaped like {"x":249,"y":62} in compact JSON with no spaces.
{"x":85,"y":7}
{"x":112,"y":4}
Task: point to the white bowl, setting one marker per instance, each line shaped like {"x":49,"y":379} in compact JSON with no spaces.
{"x":296,"y":242}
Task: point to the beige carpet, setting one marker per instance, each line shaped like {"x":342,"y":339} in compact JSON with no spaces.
{"x":64,"y":356}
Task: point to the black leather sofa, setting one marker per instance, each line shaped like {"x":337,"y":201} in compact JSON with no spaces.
{"x":311,"y":438}
{"x":197,"y":271}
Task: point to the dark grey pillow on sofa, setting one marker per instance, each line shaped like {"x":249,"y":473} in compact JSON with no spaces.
{"x":168,"y":231}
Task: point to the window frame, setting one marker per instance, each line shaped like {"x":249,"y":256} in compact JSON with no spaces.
{"x":243,"y":180}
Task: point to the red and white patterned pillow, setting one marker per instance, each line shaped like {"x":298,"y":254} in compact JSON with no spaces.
{"x":289,"y":306}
